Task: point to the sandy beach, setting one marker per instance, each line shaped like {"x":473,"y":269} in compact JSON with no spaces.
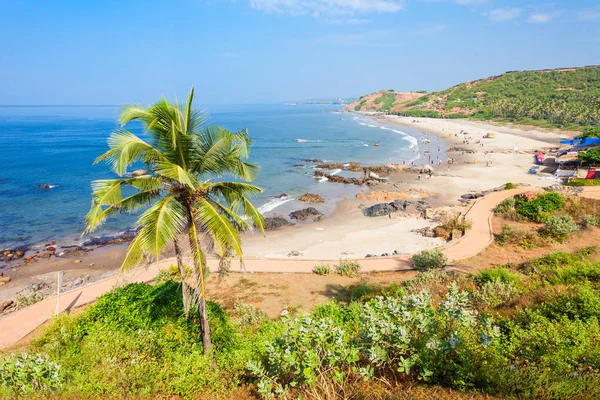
{"x":347,"y":232}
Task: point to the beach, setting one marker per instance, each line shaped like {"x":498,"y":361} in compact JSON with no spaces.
{"x":346,"y":233}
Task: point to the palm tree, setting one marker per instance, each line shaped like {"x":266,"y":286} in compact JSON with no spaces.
{"x":183,"y":157}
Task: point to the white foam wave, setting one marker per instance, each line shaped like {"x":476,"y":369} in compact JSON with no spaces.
{"x":323,"y":179}
{"x":273,"y":204}
{"x":335,"y":172}
{"x":362,"y":123}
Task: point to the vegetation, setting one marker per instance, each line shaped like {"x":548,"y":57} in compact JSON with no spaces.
{"x":590,"y":132}
{"x":504,"y":332}
{"x":322,"y":269}
{"x":566,"y":98}
{"x":560,"y":227}
{"x":427,"y":260}
{"x":592,"y":156}
{"x":182,"y":156}
{"x":386,"y":100}
{"x":510,"y":186}
{"x":349,"y":268}
{"x":539,"y":209}
{"x":584,"y":182}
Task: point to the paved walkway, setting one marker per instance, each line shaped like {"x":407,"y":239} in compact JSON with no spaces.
{"x":18,"y":324}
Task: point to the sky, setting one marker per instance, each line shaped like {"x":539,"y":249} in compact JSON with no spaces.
{"x":81,"y":52}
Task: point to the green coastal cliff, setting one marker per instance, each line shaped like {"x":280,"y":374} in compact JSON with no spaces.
{"x":565,"y":97}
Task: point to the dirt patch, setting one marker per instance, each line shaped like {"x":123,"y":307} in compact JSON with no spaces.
{"x":274,"y":292}
{"x":497,"y":255}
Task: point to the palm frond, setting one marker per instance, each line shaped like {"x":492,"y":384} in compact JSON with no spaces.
{"x":125,"y":149}
{"x":135,"y":255}
{"x":176,"y":173}
{"x":161,"y":224}
{"x":218,"y":226}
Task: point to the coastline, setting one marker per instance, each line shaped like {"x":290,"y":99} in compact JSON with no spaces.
{"x":346,"y":232}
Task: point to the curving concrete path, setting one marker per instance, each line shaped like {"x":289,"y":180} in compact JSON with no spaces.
{"x":17,"y":325}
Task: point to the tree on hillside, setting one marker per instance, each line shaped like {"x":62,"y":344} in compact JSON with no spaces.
{"x":184,"y":159}
{"x":592,"y":156}
{"x":591,"y":133}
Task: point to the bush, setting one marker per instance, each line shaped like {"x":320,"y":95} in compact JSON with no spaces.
{"x":589,"y":220}
{"x":507,"y":205}
{"x":510,"y":186}
{"x":306,"y":349}
{"x":538,"y":209}
{"x":24,"y":374}
{"x":322,"y":269}
{"x":349,"y":268}
{"x":523,"y":237}
{"x":559,"y":228}
{"x":456,"y":222}
{"x":495,"y":293}
{"x":246,"y":314}
{"x":429,"y":260}
{"x":584,"y":182}
{"x":501,"y":274}
{"x":446,"y":344}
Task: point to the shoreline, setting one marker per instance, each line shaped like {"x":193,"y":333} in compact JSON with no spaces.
{"x":346,"y":232}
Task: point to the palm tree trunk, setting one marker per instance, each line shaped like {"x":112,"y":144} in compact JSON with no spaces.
{"x":185,"y":288}
{"x":199,"y":274}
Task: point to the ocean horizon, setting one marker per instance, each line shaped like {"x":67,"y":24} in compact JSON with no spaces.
{"x":56,"y":146}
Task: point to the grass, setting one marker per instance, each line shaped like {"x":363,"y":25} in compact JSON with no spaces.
{"x":135,"y":342}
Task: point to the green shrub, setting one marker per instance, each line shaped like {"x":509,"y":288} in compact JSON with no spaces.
{"x":349,"y":268}
{"x":246,"y":314}
{"x":501,"y":274}
{"x":410,"y":335}
{"x":27,"y":375}
{"x":307,"y":348}
{"x":584,"y":182}
{"x":559,"y":228}
{"x":494,"y":293}
{"x":565,"y":268}
{"x":539,"y":209}
{"x":322,"y":269}
{"x":507,"y":205}
{"x":510,"y":186}
{"x":588,"y":220}
{"x":429,"y":260}
{"x":583,"y":303}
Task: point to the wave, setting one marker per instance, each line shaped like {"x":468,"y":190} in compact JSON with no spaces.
{"x":335,"y":172}
{"x":273,"y":204}
{"x":412,"y":140}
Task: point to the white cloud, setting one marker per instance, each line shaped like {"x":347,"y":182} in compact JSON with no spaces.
{"x":544,"y":17}
{"x":326,"y":7}
{"x":504,"y":14}
{"x":430,"y":30}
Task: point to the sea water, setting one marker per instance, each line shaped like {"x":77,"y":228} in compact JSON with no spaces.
{"x":57,"y":146}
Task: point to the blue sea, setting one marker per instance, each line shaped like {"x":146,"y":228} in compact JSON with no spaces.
{"x":57,"y":146}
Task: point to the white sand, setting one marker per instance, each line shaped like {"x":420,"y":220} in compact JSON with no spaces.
{"x":349,"y":234}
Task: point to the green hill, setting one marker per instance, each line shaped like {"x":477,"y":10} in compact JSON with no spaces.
{"x":567,"y":97}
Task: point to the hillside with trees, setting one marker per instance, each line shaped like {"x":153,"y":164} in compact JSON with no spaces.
{"x":566,"y":98}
